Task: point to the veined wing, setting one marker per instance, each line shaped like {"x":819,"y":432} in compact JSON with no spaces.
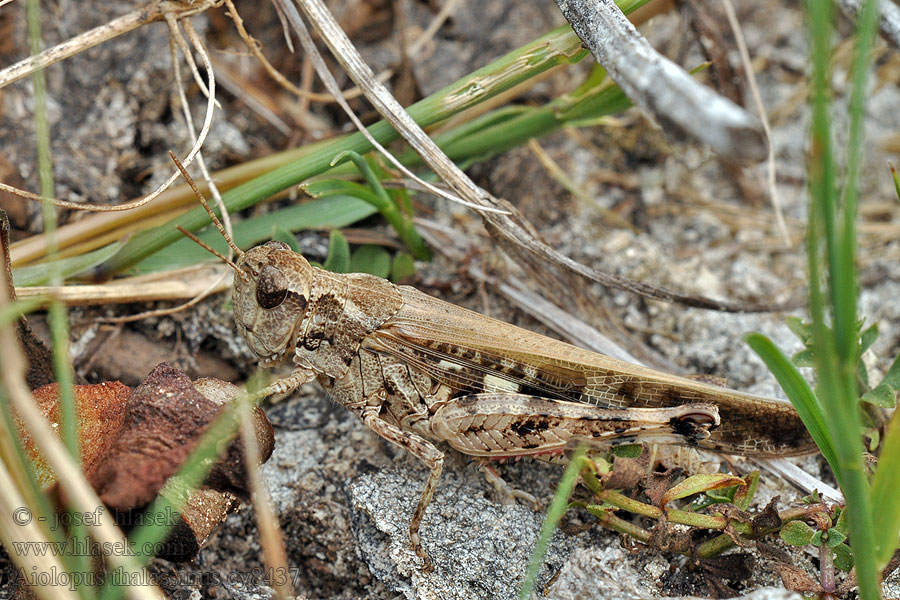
{"x":476,"y":354}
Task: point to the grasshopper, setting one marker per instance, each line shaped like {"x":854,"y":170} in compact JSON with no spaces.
{"x":419,"y":371}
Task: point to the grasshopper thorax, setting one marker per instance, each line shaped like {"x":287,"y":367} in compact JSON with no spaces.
{"x":271,"y":292}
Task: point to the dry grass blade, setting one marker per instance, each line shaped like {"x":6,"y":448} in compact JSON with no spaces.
{"x":16,"y":527}
{"x":69,"y":475}
{"x":171,"y":285}
{"x":505,"y":224}
{"x":270,"y":534}
{"x":148,"y":13}
{"x":171,"y":16}
{"x":757,"y":99}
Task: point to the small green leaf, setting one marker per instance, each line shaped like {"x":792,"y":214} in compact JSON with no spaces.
{"x":841,"y":523}
{"x":723,"y":495}
{"x":896,"y":181}
{"x":817,"y":538}
{"x":882,"y":396}
{"x":834,"y":538}
{"x":371,"y":259}
{"x":279,"y":234}
{"x":696,"y":484}
{"x":403,"y":267}
{"x":797,"y":533}
{"x":812,"y":498}
{"x":743,"y":496}
{"x":799,"y":328}
{"x":868,"y":337}
{"x":843,"y":557}
{"x":885,"y":393}
{"x":804,"y":358}
{"x":338,"y":260}
{"x":628,"y":450}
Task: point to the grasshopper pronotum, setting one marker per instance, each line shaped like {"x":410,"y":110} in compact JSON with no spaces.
{"x":419,"y":371}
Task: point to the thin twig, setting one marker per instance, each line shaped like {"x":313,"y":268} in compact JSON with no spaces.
{"x":150,"y":12}
{"x":661,"y":87}
{"x":763,"y":117}
{"x":198,"y":144}
{"x":332,"y":28}
{"x":271,"y":539}
{"x":889,"y":24}
{"x":169,"y":285}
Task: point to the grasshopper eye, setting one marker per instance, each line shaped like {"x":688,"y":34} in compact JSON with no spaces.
{"x":271,"y":287}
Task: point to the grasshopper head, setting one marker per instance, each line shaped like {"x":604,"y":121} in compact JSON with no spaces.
{"x":271,"y":291}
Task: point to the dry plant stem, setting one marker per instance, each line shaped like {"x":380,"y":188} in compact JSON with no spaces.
{"x":757,"y":100}
{"x":449,"y":7}
{"x":175,"y":285}
{"x":189,"y":119}
{"x":68,"y":473}
{"x":501,"y":219}
{"x":557,"y":173}
{"x":270,"y":535}
{"x":386,"y":105}
{"x":661,"y":87}
{"x":150,"y":12}
{"x":253,"y":45}
{"x":329,"y":27}
{"x":175,"y":35}
{"x":13,"y":531}
{"x":171,"y":18}
{"x":889,"y":24}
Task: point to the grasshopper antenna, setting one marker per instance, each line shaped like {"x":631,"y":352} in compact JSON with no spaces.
{"x":209,"y":248}
{"x":237,"y":251}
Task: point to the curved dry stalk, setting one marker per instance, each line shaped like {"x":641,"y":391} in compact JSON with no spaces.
{"x":333,"y":34}
{"x":175,"y":36}
{"x":189,"y":119}
{"x":763,"y":117}
{"x":254,"y":46}
{"x":271,"y":540}
{"x":68,"y":472}
{"x":149,"y":13}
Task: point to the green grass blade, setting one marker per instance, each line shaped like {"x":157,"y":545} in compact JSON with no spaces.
{"x":328,"y":213}
{"x":67,"y":267}
{"x":18,"y":308}
{"x":798,"y":391}
{"x":884,"y":494}
{"x":557,"y":509}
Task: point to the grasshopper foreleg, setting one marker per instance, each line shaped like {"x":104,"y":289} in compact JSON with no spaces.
{"x":298,"y":377}
{"x":424,"y":451}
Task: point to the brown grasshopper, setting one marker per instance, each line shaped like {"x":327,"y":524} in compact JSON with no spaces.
{"x":418,"y":371}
